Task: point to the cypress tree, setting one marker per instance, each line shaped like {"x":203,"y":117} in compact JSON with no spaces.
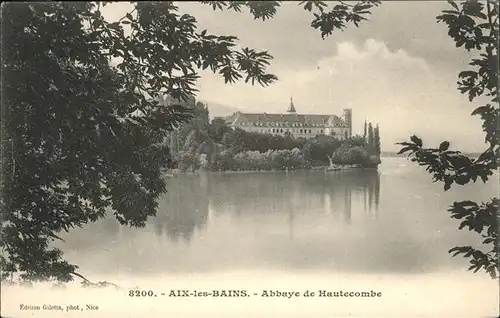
{"x":370,"y":137}
{"x":376,"y":137}
{"x":364,"y":134}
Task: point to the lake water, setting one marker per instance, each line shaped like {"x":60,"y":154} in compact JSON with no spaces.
{"x":385,"y":230}
{"x":389,"y":221}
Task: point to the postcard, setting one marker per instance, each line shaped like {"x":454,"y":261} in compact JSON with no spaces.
{"x":250,"y":159}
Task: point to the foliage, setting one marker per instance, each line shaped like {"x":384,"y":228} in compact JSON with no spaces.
{"x":354,"y":155}
{"x":318,"y":149}
{"x":370,"y":139}
{"x":365,"y":130}
{"x":223,"y":161}
{"x":239,"y":140}
{"x":217,"y":129}
{"x":199,"y":121}
{"x":240,"y":149}
{"x":473,"y":25}
{"x":357,"y":140}
{"x":283,"y":159}
{"x":370,"y":135}
{"x":326,"y":19}
{"x":79,"y":135}
{"x":376,"y":140}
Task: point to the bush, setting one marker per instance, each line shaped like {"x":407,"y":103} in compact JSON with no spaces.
{"x":317,"y":149}
{"x":255,"y":160}
{"x":353,"y":155}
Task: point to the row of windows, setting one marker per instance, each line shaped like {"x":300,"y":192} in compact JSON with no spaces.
{"x":281,"y":124}
{"x":280,"y":130}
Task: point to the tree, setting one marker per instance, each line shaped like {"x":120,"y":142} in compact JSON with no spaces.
{"x":217,"y":128}
{"x":203,"y":120}
{"x":365,"y":131}
{"x":376,"y":140}
{"x":357,"y":140}
{"x":351,"y":155}
{"x":80,"y":136}
{"x":370,"y":140}
{"x":473,"y":25}
{"x":199,"y":121}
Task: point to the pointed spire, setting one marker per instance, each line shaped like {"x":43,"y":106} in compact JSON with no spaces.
{"x":291,"y":109}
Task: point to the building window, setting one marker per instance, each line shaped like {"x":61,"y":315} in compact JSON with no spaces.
{"x":281,"y":130}
{"x":321,"y":130}
{"x":301,"y":131}
{"x":310,"y":131}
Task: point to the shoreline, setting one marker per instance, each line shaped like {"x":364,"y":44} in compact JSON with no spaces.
{"x":334,"y":168}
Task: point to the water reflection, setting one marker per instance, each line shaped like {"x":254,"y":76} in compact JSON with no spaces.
{"x":296,"y":220}
{"x":185,"y":208}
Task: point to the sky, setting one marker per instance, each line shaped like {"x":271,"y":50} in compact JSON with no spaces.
{"x":398,"y":70}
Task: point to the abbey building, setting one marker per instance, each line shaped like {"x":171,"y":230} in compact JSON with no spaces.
{"x":293,"y":124}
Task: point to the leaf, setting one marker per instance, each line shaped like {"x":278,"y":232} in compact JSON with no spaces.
{"x":444,"y":146}
{"x":417,"y":141}
{"x":452,"y":3}
{"x":403,"y":150}
{"x":447,"y":184}
{"x":488,"y":240}
{"x":480,"y":110}
{"x":308,"y":6}
{"x":450,"y":12}
{"x":467,"y":74}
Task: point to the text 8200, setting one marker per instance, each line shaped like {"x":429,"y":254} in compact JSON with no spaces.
{"x":141,"y":293}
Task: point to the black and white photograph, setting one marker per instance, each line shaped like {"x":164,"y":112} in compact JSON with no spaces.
{"x":250,"y":159}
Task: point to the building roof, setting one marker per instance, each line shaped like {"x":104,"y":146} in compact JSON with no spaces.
{"x":288,"y":119}
{"x":291,"y":108}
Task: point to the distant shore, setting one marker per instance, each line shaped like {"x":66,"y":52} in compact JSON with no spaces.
{"x":335,"y":167}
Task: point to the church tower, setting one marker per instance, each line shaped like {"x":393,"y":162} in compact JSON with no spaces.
{"x":291,"y":108}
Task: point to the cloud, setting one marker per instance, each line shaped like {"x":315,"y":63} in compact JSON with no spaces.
{"x":399,"y":70}
{"x":403,"y":93}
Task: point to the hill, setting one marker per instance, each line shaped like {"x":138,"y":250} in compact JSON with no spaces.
{"x":220,"y":110}
{"x":395,"y":154}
